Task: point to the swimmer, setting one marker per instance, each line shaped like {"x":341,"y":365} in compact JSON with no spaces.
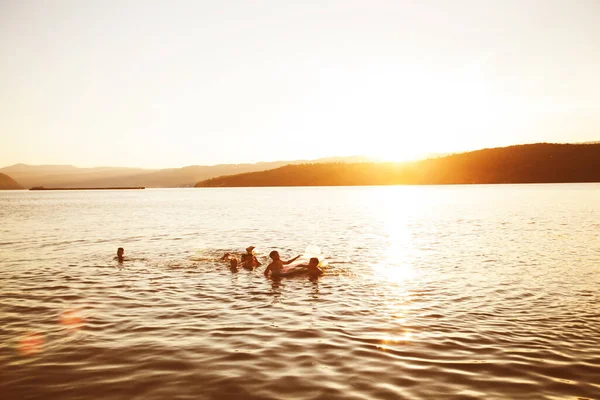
{"x":249,"y":260}
{"x":120,"y":255}
{"x":277,"y":265}
{"x":233,"y":261}
{"x":246,"y":261}
{"x":312,"y":267}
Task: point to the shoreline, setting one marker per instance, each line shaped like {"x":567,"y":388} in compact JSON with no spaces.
{"x":92,"y":188}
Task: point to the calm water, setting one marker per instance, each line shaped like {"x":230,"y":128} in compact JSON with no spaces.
{"x":429,"y":293}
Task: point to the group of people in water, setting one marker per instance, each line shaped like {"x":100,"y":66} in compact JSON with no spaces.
{"x":248,"y":260}
{"x":276,"y":268}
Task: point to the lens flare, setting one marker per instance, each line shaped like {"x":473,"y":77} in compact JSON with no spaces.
{"x":31,"y":344}
{"x":72,"y":319}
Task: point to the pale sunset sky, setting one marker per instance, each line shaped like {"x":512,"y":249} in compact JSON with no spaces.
{"x":161,"y":84}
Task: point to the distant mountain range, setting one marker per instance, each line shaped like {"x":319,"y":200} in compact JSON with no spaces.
{"x":534,"y":163}
{"x":61,"y":176}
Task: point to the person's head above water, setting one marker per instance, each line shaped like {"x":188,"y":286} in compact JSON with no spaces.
{"x":120,"y":252}
{"x":250,"y":249}
{"x":313,"y":262}
{"x":274,"y":255}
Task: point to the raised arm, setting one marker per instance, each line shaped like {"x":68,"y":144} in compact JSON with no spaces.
{"x":291,"y":261}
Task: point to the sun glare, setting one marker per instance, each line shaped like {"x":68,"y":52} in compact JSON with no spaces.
{"x":395,"y":264}
{"x":439,"y":115}
{"x":390,"y":341}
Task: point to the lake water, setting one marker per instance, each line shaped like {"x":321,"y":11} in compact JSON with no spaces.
{"x":437,"y":292}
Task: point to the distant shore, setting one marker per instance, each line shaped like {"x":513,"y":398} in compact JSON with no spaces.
{"x":90,"y":188}
{"x":534,"y":163}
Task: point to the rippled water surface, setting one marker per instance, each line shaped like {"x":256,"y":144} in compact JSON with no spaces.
{"x":429,"y":293}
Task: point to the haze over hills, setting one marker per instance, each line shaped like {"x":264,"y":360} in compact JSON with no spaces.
{"x":524,"y":163}
{"x":61,"y":176}
{"x":534,"y":163}
{"x":8,"y":183}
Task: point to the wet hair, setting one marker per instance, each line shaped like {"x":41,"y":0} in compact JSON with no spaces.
{"x":315,"y":260}
{"x":271,"y":254}
{"x":120,"y":250}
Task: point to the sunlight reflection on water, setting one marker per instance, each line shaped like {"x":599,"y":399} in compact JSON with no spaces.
{"x":395,"y":262}
{"x":429,"y":292}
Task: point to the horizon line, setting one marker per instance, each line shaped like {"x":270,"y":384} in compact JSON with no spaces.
{"x":370,"y":158}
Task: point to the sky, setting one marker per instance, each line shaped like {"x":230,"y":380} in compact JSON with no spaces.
{"x":160,"y":84}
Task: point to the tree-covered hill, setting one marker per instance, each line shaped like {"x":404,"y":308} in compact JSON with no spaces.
{"x":534,"y":163}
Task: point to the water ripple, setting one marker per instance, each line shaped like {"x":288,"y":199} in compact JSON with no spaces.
{"x":462,"y":294}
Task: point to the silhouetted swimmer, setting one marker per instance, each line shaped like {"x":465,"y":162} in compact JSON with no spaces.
{"x":233,"y":264}
{"x":249,"y":260}
{"x":312,"y":267}
{"x":120,"y":255}
{"x":233,"y":261}
{"x":276,"y":265}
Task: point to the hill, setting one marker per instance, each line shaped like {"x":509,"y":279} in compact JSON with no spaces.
{"x":62,"y":176}
{"x":534,"y":163}
{"x":65,"y":175}
{"x":8,"y":183}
